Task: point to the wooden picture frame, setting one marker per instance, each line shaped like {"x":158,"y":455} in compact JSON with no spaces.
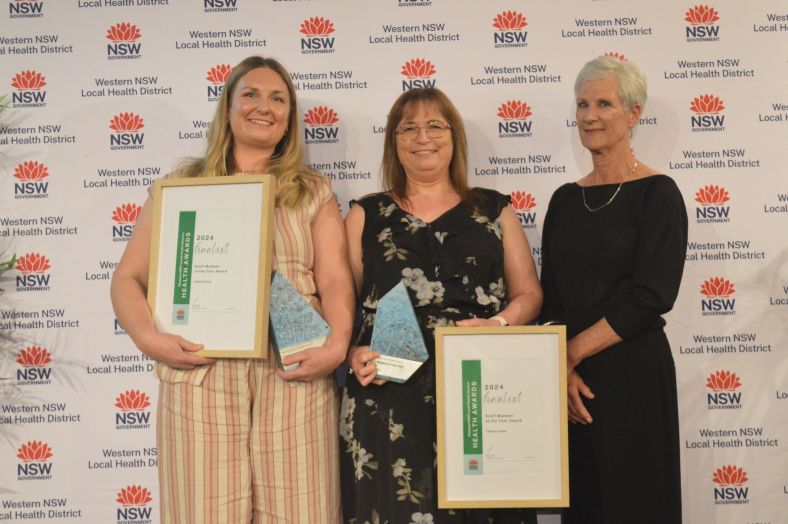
{"x":502,"y":417}
{"x":210,"y":262}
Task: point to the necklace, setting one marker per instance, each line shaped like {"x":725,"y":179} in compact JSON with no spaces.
{"x":595,"y":209}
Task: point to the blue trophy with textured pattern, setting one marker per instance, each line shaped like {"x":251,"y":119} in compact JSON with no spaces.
{"x":295,"y":325}
{"x":397,"y":337}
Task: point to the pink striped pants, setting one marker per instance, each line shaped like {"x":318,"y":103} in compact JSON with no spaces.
{"x":236,"y":444}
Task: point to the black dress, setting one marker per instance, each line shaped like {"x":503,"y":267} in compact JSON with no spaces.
{"x":623,"y":263}
{"x":453,"y":269}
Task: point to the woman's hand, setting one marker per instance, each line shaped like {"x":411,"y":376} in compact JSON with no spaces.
{"x":315,"y":362}
{"x":577,"y":410}
{"x":362,"y":363}
{"x":474,"y":322}
{"x":173,"y":350}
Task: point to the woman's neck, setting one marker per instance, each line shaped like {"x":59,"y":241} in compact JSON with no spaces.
{"x":251,"y":160}
{"x":428,"y":188}
{"x":610,"y":168}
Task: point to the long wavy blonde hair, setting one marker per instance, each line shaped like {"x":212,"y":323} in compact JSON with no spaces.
{"x":292,"y":177}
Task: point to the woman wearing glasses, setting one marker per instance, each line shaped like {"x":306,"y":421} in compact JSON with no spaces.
{"x":465,"y":261}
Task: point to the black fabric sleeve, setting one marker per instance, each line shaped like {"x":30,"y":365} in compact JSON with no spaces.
{"x":491,"y":202}
{"x":659,"y":262}
{"x":551,"y":304}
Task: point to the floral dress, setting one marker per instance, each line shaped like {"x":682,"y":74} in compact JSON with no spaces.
{"x":453,"y":270}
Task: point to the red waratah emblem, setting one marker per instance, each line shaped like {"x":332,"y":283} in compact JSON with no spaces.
{"x":707,"y":105}
{"x":34,"y":451}
{"x":317,"y":26}
{"x":32,"y":263}
{"x":219,"y":73}
{"x":730,"y":476}
{"x":134,"y":496}
{"x":321,"y":116}
{"x":418,"y":68}
{"x":701,"y":15}
{"x":717,"y":287}
{"x":123,"y":32}
{"x":616,"y":54}
{"x":509,"y":21}
{"x":31,"y":170}
{"x":126,"y":122}
{"x":523,"y":201}
{"x":723,"y":381}
{"x":514,"y":110}
{"x":132,"y":400}
{"x":712,"y":196}
{"x":126,"y":213}
{"x":33,"y":357}
{"x":28,"y":80}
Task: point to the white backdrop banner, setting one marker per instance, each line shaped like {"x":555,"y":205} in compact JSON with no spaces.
{"x":106,"y":95}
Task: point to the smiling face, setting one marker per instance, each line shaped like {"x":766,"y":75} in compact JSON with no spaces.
{"x":424,"y":158}
{"x":602,"y":120}
{"x":259,"y":110}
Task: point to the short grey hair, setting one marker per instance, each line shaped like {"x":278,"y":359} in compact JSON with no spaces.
{"x":631,"y":81}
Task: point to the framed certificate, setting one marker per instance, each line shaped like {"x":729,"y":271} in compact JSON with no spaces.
{"x":210,"y":265}
{"x":502,"y":422}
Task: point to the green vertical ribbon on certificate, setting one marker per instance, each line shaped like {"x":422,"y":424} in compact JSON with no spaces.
{"x":472,"y":416}
{"x":183,"y":268}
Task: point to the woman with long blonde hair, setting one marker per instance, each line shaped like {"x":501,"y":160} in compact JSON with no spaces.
{"x":239,"y":440}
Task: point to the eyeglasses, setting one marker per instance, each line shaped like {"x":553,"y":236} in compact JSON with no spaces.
{"x":433,"y":129}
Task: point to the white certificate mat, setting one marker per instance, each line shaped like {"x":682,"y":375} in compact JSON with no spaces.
{"x":501,"y":413}
{"x":210,"y":262}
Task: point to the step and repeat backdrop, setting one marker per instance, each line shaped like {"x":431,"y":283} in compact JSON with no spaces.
{"x":104,"y":96}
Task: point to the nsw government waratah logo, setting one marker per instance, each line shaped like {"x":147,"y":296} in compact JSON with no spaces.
{"x":515,"y":119}
{"x":31,"y":180}
{"x":702,"y":24}
{"x":707,"y":113}
{"x":510,"y":29}
{"x":34,"y":461}
{"x":28,"y":89}
{"x":220,"y":6}
{"x":217,"y":76}
{"x":317,"y":37}
{"x":126,"y":131}
{"x":718,"y":297}
{"x":723,"y":394}
{"x":34,"y":366}
{"x":418,"y":72}
{"x":33,"y":272}
{"x":712,"y":204}
{"x":25,"y":9}
{"x":133,"y":501}
{"x":321,"y":126}
{"x":124,"y":42}
{"x":133,"y":410}
{"x":731,"y":485}
{"x":124,"y":216}
{"x":524,"y":204}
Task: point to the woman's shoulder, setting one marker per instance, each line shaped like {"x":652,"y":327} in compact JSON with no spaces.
{"x":490,"y":201}
{"x":660,"y":198}
{"x":563,"y":192}
{"x":660,"y":181}
{"x":659,"y":186}
{"x":372,"y":202}
{"x":318,"y":186}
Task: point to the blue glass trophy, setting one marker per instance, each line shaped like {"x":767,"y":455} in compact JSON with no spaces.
{"x":295,"y":325}
{"x":396,"y":335}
